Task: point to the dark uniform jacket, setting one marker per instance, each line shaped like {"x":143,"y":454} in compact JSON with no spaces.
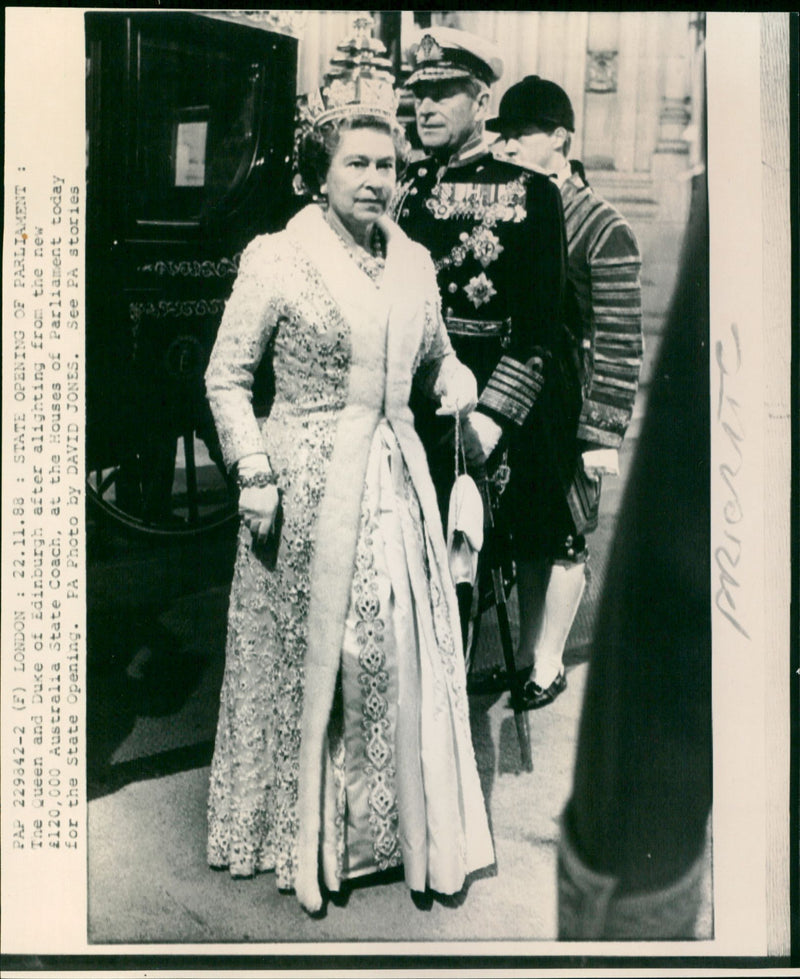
{"x":497,"y":237}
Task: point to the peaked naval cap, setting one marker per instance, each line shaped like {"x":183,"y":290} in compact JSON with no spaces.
{"x":443,"y":52}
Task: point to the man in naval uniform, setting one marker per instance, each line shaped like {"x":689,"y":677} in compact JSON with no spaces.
{"x":497,"y":237}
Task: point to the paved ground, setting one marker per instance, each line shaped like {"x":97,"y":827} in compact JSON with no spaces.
{"x":156,"y":658}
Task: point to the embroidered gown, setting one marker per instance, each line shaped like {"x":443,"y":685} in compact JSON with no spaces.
{"x":343,"y":732}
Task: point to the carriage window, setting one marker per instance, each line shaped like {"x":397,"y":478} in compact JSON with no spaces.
{"x":190,"y":149}
{"x":196,"y":130}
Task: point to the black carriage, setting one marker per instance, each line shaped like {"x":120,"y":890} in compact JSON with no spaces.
{"x":189,"y":143}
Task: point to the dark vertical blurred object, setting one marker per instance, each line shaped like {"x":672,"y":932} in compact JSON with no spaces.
{"x":634,"y":831}
{"x":389,"y":32}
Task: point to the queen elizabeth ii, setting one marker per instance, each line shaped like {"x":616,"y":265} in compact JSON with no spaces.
{"x":343,"y":744}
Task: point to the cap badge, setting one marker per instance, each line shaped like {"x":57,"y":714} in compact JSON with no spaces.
{"x":429,"y":49}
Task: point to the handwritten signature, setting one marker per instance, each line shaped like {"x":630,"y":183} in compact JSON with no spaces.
{"x":728,"y":555}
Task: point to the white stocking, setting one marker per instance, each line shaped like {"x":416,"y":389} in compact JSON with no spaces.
{"x":561,"y":602}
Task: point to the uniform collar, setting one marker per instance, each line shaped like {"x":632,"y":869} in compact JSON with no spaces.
{"x":474,"y":148}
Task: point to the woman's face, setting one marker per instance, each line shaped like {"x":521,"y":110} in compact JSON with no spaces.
{"x":361,"y":176}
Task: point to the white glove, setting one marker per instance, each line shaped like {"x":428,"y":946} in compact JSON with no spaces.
{"x":481,"y":435}
{"x":600,"y":462}
{"x":461,"y":393}
{"x":257,"y":504}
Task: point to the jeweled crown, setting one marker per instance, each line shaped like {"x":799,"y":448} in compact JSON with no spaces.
{"x":359,"y":81}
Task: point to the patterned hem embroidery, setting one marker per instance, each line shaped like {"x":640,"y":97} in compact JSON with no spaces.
{"x":374,"y":679}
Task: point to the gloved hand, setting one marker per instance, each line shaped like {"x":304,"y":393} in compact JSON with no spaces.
{"x":257,"y":504}
{"x":600,"y":462}
{"x":461,"y":393}
{"x":481,"y":435}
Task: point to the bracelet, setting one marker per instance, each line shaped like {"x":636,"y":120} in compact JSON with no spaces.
{"x":257,"y":479}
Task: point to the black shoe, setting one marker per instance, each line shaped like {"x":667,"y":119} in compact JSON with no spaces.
{"x":423,"y":900}
{"x":534,"y":696}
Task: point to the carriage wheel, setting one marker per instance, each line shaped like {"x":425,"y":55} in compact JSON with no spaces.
{"x":171,"y":489}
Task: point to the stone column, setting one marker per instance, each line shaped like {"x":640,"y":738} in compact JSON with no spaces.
{"x":675,"y":113}
{"x":697,"y":74}
{"x":601,"y":98}
{"x":671,"y":160}
{"x":574,"y":71}
{"x":517,"y":34}
{"x":630,"y":37}
{"x":648,"y":86}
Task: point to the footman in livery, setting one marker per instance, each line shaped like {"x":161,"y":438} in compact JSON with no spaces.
{"x":604,"y":313}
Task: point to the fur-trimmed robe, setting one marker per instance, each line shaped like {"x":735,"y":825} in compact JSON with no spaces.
{"x":345,"y":351}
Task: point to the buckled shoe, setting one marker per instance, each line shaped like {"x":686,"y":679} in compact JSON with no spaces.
{"x":535,"y":696}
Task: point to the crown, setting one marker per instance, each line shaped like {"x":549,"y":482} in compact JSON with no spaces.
{"x":359,"y":81}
